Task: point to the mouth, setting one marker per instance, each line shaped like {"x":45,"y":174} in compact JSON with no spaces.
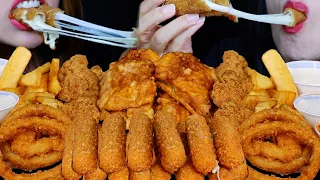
{"x":27,"y":4}
{"x":299,"y":6}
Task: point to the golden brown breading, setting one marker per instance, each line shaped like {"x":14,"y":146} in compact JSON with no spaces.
{"x":128,"y":83}
{"x":97,"y":71}
{"x":77,"y":80}
{"x":120,"y":175}
{"x":233,"y":82}
{"x":199,"y":7}
{"x":187,"y":80}
{"x":142,"y":54}
{"x":188,"y":172}
{"x":171,"y":106}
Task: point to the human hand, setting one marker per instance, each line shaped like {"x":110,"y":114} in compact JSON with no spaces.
{"x":13,"y":36}
{"x":175,"y":36}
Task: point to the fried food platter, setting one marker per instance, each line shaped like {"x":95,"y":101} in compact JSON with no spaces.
{"x":152,"y":117}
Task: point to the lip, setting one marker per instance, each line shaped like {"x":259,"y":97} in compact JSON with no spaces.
{"x":16,"y":23}
{"x":299,"y":6}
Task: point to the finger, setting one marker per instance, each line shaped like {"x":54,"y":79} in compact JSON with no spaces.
{"x":53,"y":3}
{"x":146,"y":36}
{"x":180,"y":42}
{"x":27,"y":39}
{"x":163,"y":36}
{"x":148,"y":5}
{"x":155,"y":17}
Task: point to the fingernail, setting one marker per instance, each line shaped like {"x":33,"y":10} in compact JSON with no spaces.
{"x":192,"y":18}
{"x":168,"y":9}
{"x":201,"y":20}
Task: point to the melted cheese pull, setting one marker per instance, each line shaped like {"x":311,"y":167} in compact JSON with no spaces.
{"x":39,"y":19}
{"x":298,"y":16}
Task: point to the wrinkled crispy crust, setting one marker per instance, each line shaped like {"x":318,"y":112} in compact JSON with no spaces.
{"x":201,"y":144}
{"x":142,"y":54}
{"x":227,"y":142}
{"x":143,"y":175}
{"x":270,"y":124}
{"x":127,"y":84}
{"x":97,"y":71}
{"x":98,"y":174}
{"x":172,"y":152}
{"x":199,"y":7}
{"x":120,"y":175}
{"x":112,"y":150}
{"x":170,"y":106}
{"x":189,"y":80}
{"x":77,"y":80}
{"x":139,"y":140}
{"x":233,"y":82}
{"x":188,"y":172}
{"x":85,"y":152}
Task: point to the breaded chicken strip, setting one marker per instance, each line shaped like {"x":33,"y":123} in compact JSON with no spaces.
{"x":199,"y":7}
{"x":77,"y":80}
{"x":127,"y":84}
{"x":187,"y":80}
{"x":233,"y":83}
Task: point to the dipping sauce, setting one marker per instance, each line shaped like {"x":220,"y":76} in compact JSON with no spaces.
{"x":309,"y":105}
{"x":6,"y":101}
{"x":309,"y":76}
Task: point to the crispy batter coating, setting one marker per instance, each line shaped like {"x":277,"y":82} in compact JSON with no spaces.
{"x":171,"y":149}
{"x":77,"y":80}
{"x":120,"y":175}
{"x":233,"y":83}
{"x":199,"y":7}
{"x":171,"y":106}
{"x":201,"y":144}
{"x":187,"y":80}
{"x":188,"y":172}
{"x":142,"y":54}
{"x":112,"y":147}
{"x":97,"y":71}
{"x":158,"y":173}
{"x":128,"y":83}
{"x":98,"y":174}
{"x":146,"y":109}
{"x":85,"y":147}
{"x":143,"y":175}
{"x":139,"y":141}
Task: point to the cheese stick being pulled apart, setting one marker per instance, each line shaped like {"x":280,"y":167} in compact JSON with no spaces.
{"x":298,"y":16}
{"x":41,"y":17}
{"x":200,"y":7}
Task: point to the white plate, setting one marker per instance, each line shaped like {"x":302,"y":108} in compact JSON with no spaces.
{"x":3,"y":63}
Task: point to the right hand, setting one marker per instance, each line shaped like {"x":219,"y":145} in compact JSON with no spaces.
{"x":175,"y":36}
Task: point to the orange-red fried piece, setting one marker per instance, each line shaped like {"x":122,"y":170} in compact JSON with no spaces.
{"x":187,"y":80}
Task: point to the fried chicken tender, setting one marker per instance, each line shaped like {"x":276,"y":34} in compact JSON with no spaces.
{"x":199,"y":7}
{"x":128,"y":83}
{"x":187,"y":80}
{"x":77,"y":80}
{"x":171,"y":106}
{"x":233,"y":82}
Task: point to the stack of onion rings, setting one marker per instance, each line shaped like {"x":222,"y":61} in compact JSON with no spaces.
{"x":31,"y":139}
{"x":280,"y":142}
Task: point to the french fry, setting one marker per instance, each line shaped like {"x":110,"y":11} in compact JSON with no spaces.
{"x":252,"y":100}
{"x":19,"y":90}
{"x":32,"y":96}
{"x":44,"y":81}
{"x":48,"y":101}
{"x":265,"y":105}
{"x":34,"y":78}
{"x":54,"y":86}
{"x":279,"y":72}
{"x":15,"y":68}
{"x":31,"y":89}
{"x":259,"y":81}
{"x":284,"y":97}
{"x":260,"y":92}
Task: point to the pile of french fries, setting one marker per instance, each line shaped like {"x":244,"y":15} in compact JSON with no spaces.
{"x":39,"y":86}
{"x":275,"y":91}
